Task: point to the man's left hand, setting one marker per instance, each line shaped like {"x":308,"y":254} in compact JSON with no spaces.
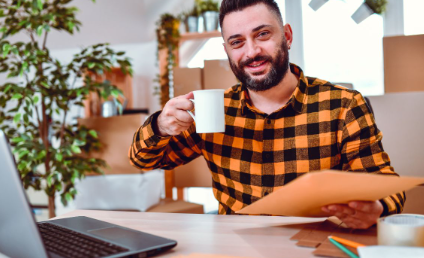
{"x":356,"y":214}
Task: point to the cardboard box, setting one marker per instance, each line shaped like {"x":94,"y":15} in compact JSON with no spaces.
{"x":218,"y":75}
{"x":115,"y":134}
{"x":403,"y":63}
{"x":187,"y":80}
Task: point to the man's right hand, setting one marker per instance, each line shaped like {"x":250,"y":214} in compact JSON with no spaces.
{"x":174,"y":117}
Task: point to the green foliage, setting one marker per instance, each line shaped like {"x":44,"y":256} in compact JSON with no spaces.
{"x":207,"y":5}
{"x":51,"y":153}
{"x":378,"y":6}
{"x":168,"y":36}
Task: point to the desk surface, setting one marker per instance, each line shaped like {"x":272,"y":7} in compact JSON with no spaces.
{"x":245,"y":236}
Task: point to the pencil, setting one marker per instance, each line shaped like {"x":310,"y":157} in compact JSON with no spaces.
{"x":344,"y":249}
{"x":346,"y":242}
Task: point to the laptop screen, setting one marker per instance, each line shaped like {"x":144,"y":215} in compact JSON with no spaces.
{"x":19,"y":236}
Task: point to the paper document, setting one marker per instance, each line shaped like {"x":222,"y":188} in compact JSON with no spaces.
{"x":306,"y":195}
{"x":390,"y":252}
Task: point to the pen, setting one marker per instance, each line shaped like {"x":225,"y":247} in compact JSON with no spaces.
{"x":346,"y":242}
{"x":344,"y":249}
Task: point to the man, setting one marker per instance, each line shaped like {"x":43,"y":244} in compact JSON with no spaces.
{"x":279,"y":123}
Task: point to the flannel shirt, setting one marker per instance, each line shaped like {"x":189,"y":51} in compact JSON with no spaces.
{"x":322,"y":126}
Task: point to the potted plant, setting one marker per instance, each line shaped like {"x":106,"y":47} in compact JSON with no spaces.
{"x":191,"y":20}
{"x":210,"y":13}
{"x":368,"y":8}
{"x":37,"y":98}
{"x":168,"y":36}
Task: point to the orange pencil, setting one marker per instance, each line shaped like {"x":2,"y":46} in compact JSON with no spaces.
{"x":346,"y":242}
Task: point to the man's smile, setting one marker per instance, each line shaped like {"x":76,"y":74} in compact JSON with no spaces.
{"x":256,"y":67}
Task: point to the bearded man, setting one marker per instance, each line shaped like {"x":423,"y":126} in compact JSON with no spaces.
{"x":280,"y":124}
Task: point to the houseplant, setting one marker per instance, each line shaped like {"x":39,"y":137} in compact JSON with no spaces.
{"x":210,"y":13}
{"x":191,"y":20}
{"x":168,"y":36}
{"x":368,"y":8}
{"x":40,"y":91}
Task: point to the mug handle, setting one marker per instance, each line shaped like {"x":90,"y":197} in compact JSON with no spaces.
{"x":191,"y":114}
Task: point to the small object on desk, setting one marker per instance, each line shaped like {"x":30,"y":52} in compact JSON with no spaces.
{"x":390,"y":252}
{"x":346,"y":242}
{"x":343,"y":248}
{"x":401,"y":230}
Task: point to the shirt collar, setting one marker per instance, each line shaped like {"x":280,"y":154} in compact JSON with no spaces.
{"x":297,"y":100}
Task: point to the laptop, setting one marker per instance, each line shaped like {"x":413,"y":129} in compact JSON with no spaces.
{"x":77,"y":237}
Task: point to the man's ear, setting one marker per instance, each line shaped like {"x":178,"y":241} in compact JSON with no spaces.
{"x":288,"y":34}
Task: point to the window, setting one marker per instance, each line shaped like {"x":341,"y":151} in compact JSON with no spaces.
{"x":414,"y":19}
{"x":339,"y":50}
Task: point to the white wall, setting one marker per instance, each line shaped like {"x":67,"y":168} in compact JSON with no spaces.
{"x":399,"y":116}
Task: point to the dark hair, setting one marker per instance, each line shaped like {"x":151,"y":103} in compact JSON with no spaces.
{"x":229,"y":6}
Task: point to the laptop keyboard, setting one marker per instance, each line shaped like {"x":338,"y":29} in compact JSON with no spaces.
{"x":69,"y":243}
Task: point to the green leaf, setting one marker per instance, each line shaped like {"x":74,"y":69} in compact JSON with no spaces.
{"x":26,"y":120}
{"x":71,"y":26}
{"x":49,"y":180}
{"x":6,"y":48}
{"x":40,"y":30}
{"x":3,"y":30}
{"x":74,"y":176}
{"x":116,"y":93}
{"x":79,"y":142}
{"x":17,"y":140}
{"x":15,"y":50}
{"x":17,"y":118}
{"x":59,"y":157}
{"x":91,"y":65}
{"x":41,"y":154}
{"x":36,"y":99}
{"x":93,"y":133}
{"x":76,"y":149}
{"x":68,"y":197}
{"x":7,"y":88}
{"x":40,"y":4}
{"x":45,"y":85}
{"x":23,"y":153}
{"x":17,"y":96}
{"x":22,"y":166}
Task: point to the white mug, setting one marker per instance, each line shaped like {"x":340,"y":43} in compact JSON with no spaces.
{"x":209,"y":109}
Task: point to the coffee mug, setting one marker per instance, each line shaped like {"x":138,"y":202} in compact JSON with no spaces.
{"x":209,"y":109}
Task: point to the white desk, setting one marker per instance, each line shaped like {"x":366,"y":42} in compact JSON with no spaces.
{"x":246,"y":236}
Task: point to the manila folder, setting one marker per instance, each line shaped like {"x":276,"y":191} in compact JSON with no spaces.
{"x":306,"y":195}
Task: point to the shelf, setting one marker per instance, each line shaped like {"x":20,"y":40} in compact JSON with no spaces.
{"x":202,"y":35}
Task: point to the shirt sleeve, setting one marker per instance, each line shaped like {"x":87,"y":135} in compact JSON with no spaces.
{"x":150,"y":151}
{"x":362,"y":149}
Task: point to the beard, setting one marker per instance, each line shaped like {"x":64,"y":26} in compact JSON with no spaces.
{"x":279,"y":68}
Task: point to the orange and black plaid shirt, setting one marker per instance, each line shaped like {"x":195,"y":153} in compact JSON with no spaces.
{"x":323,"y":126}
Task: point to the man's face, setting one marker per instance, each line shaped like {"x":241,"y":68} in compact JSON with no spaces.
{"x":256,"y":47}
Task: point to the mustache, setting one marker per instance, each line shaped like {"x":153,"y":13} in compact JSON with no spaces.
{"x":249,"y":61}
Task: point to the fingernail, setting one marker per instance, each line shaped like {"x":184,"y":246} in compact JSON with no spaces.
{"x":353,"y":205}
{"x":325,"y":209}
{"x":332,"y":208}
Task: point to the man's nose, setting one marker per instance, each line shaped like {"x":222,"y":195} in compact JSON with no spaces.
{"x":253,"y":49}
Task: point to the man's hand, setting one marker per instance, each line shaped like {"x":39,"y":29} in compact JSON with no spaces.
{"x":174,"y":117}
{"x":356,"y":214}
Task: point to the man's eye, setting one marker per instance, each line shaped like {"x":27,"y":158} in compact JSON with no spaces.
{"x":235,"y":43}
{"x":263,"y":34}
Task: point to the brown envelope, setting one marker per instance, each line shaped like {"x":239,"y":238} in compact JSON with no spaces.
{"x":307,"y":194}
